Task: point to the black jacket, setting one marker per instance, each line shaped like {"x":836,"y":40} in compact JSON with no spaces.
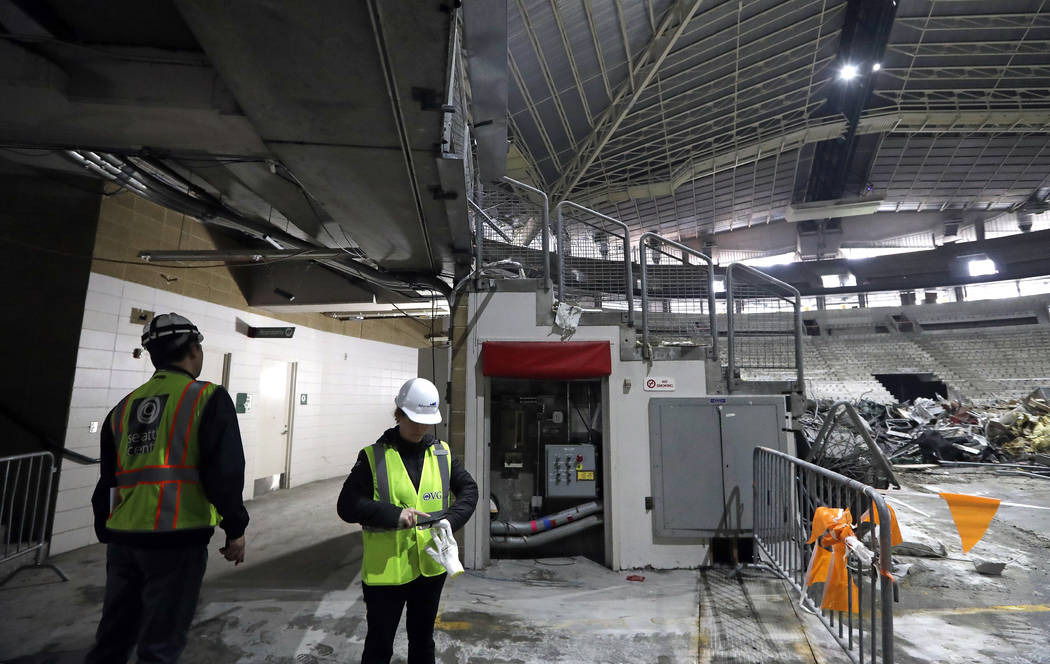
{"x":222,"y":475}
{"x":355,"y":500}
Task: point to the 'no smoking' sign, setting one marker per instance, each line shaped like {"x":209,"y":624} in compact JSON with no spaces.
{"x":659,"y":384}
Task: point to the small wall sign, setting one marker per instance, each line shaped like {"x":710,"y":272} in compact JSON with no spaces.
{"x":659,"y":384}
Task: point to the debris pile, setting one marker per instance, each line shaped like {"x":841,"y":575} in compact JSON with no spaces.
{"x":1014,"y":435}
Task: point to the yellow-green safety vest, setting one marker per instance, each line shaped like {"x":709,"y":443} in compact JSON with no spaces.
{"x":395,"y":557}
{"x":155,"y":430}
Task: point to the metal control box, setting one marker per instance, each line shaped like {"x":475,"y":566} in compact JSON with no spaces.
{"x":571,"y":471}
{"x":701,"y":450}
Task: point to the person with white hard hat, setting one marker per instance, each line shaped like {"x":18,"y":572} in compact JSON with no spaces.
{"x":172,"y":468}
{"x":399,"y":491}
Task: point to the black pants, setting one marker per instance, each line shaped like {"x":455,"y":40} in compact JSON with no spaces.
{"x":385,"y":604}
{"x":151,"y":595}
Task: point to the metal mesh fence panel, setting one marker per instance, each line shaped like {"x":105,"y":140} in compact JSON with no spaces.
{"x":676,"y":294}
{"x":593,"y":260}
{"x":763,"y":327}
{"x":511,"y":228}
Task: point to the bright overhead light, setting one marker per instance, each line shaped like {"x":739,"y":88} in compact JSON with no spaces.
{"x":848,"y":72}
{"x":876,"y":67}
{"x":980,"y":267}
{"x":844,"y":280}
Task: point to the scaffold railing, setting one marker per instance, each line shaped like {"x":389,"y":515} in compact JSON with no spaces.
{"x":594,"y":260}
{"x":512,"y":228}
{"x":678,"y":297}
{"x":763,"y":329}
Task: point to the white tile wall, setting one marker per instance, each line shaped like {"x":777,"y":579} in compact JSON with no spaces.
{"x":351,"y":385}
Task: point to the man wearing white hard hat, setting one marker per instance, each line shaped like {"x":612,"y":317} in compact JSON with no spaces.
{"x":172,"y":468}
{"x":399,"y":491}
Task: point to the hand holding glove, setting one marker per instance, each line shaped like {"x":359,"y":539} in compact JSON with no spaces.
{"x":443,"y":549}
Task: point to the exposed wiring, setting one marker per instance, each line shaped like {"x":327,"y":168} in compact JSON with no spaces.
{"x":142,"y":263}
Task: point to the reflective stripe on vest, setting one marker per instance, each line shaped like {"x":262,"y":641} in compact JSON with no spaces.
{"x":383,"y":478}
{"x":157,"y":456}
{"x":395,"y":557}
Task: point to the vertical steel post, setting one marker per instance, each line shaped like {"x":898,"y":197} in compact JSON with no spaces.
{"x":712,"y":306}
{"x":479,"y":236}
{"x":798,"y":345}
{"x":645,"y":296}
{"x":730,"y":325}
{"x":561,"y":250}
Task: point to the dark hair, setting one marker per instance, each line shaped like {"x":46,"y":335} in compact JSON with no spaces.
{"x":163,"y":355}
{"x":398,"y":414}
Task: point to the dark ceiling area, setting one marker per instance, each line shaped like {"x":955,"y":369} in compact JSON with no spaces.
{"x":353,"y":132}
{"x":723,"y":116}
{"x":305,"y":126}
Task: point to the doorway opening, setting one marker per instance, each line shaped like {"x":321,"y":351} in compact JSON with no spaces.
{"x":908,"y":386}
{"x":274,"y":435}
{"x":545,"y":472}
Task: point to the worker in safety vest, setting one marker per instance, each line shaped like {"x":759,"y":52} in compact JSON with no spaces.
{"x":405,"y":479}
{"x":172,"y":469}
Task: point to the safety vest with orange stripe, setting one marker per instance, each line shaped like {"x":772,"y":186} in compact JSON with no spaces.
{"x":155,"y":429}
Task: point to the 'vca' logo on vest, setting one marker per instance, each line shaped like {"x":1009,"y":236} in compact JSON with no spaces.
{"x":432,"y":495}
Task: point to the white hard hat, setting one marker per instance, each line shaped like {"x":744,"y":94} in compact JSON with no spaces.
{"x":418,"y":400}
{"x":168,"y":328}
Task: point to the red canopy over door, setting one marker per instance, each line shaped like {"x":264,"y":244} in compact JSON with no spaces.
{"x":546,"y":360}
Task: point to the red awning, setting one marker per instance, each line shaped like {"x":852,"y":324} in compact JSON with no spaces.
{"x":549,"y":360}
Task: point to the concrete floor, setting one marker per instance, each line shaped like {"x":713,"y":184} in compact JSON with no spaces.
{"x":950,"y":613}
{"x":297,"y":599}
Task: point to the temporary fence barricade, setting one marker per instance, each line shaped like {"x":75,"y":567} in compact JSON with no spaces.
{"x":788,"y":492}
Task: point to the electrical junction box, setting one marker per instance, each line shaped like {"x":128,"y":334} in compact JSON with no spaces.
{"x":571,"y":471}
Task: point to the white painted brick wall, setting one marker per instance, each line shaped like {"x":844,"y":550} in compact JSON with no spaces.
{"x":351,"y":400}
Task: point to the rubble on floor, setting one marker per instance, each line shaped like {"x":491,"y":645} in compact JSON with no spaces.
{"x":1010,"y":437}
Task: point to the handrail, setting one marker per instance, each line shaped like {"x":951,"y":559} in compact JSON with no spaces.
{"x":645,"y":291}
{"x":546,"y":227}
{"x":730,"y":332}
{"x":47,"y":443}
{"x":626,"y":252}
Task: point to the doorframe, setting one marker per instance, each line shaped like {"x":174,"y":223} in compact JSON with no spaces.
{"x":293,"y":374}
{"x":227,"y":360}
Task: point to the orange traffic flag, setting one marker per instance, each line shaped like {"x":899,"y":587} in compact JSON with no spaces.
{"x":971,"y":514}
{"x":895,"y":529}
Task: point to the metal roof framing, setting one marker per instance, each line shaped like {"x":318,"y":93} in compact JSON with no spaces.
{"x":642,"y":72}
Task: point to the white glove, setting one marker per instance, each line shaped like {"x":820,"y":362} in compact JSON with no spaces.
{"x":443,"y":548}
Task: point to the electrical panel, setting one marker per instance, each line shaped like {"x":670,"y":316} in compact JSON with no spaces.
{"x":571,"y":471}
{"x":701,"y":452}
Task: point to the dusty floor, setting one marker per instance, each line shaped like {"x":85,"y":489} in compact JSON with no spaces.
{"x":950,"y":613}
{"x":297,"y":600}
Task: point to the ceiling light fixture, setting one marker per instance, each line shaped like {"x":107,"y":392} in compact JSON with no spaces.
{"x":848,"y":72}
{"x":876,"y":67}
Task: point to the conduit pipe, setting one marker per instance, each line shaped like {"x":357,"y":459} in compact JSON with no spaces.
{"x":545,"y":523}
{"x":505,"y":542}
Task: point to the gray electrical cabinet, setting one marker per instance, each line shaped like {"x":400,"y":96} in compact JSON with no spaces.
{"x":701,"y":454}
{"x":570,"y":471}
